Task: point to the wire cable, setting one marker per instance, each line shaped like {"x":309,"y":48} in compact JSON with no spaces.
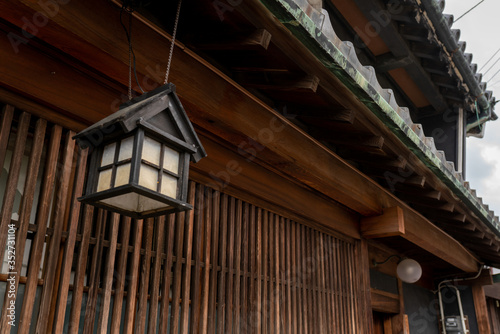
{"x":132,"y":61}
{"x":496,"y":61}
{"x":470,"y":10}
{"x":494,"y":75}
{"x":489,"y":60}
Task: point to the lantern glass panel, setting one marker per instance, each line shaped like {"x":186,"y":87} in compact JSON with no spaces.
{"x":169,"y":185}
{"x":151,"y":150}
{"x":108,"y":154}
{"x":148,"y":177}
{"x":104,"y":181}
{"x":171,"y":160}
{"x":122,"y":175}
{"x":126,"y":148}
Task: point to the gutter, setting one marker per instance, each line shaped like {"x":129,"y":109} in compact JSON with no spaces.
{"x":486,"y":113}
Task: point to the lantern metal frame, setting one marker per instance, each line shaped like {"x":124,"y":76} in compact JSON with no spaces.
{"x":157,"y":115}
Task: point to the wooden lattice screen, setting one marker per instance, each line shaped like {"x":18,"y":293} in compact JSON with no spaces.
{"x":225,"y":267}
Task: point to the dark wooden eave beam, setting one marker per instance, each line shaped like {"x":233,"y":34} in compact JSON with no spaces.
{"x":387,"y":62}
{"x":475,"y":236}
{"x":415,"y":33}
{"x":366,"y":141}
{"x":436,"y":67}
{"x":278,"y":81}
{"x":428,"y":194}
{"x":454,"y":226}
{"x":394,"y":164}
{"x":327,"y":114}
{"x":428,"y":202}
{"x":255,"y":40}
{"x":395,"y":222}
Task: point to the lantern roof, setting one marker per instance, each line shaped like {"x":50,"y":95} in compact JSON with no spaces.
{"x":159,"y":110}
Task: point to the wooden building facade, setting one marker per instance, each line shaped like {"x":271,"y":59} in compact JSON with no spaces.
{"x":314,"y":171}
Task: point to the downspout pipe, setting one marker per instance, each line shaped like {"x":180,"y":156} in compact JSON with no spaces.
{"x":434,"y":11}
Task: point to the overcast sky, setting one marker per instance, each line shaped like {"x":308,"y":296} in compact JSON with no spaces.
{"x":480,"y":29}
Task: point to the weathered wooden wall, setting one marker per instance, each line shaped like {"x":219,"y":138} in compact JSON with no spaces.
{"x":225,"y":267}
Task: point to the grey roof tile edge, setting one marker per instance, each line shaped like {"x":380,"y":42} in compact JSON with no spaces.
{"x":399,"y":115}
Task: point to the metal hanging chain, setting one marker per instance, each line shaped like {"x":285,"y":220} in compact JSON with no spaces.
{"x":173,"y":42}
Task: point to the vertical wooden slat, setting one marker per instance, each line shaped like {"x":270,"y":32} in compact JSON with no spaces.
{"x":237,"y":268}
{"x":155,"y":280}
{"x":303,"y":274}
{"x":12,"y":179}
{"x":248,"y":257}
{"x":130,"y":305}
{"x":221,"y":306}
{"x":188,"y":244}
{"x":94,"y":277}
{"x":207,"y":249}
{"x":347,"y":301}
{"x":339,"y":282}
{"x":230,"y":268}
{"x":102,"y":323}
{"x":310,"y":242}
{"x":81,"y":263}
{"x":281,"y":290}
{"x":288,"y":276}
{"x":327,"y":294}
{"x":355,"y":291}
{"x":311,"y":266}
{"x":297,"y":314}
{"x":176,"y":289}
{"x":250,"y":219}
{"x":284,"y":302}
{"x":331,"y":278}
{"x":330,"y":283}
{"x":24,"y":216}
{"x":259,"y":262}
{"x":215,"y":204}
{"x":321,"y":281}
{"x":277,"y":307}
{"x":351,"y":287}
{"x":5,"y":126}
{"x":272,"y":292}
{"x":121,"y":274}
{"x":167,"y":280}
{"x":340,"y":293}
{"x":70,"y":243}
{"x":142,"y":307}
{"x":55,"y":242}
{"x":198,"y":241}
{"x":265,"y":310}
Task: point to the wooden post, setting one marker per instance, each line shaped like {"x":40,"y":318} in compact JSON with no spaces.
{"x":364,"y":261}
{"x":483,"y":322}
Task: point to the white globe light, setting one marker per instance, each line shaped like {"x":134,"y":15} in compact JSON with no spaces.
{"x":409,"y":271}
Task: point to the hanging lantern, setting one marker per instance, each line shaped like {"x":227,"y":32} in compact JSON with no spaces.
{"x":139,"y":156}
